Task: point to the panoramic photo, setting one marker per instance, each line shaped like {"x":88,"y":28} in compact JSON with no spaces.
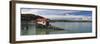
{"x":42,"y":21}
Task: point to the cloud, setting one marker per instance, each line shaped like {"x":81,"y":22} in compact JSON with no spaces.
{"x":47,"y":11}
{"x":57,"y":13}
{"x":67,"y":17}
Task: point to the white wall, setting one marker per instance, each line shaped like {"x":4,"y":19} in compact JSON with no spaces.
{"x":4,"y":22}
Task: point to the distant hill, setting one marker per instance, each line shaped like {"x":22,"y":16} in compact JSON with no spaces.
{"x":70,"y":21}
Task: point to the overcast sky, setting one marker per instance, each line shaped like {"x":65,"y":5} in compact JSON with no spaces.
{"x":54,"y":13}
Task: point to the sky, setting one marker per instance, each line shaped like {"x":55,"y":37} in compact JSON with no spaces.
{"x":57,"y":13}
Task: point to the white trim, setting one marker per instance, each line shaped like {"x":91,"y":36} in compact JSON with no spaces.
{"x":53,"y":36}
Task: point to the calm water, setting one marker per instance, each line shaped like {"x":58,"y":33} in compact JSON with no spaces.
{"x":69,"y":27}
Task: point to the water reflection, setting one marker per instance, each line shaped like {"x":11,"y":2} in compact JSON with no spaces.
{"x":69,"y":27}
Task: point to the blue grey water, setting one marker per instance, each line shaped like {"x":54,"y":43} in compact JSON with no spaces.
{"x":69,"y":27}
{"x":74,"y":27}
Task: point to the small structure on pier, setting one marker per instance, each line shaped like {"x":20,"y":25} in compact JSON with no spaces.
{"x":35,"y":18}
